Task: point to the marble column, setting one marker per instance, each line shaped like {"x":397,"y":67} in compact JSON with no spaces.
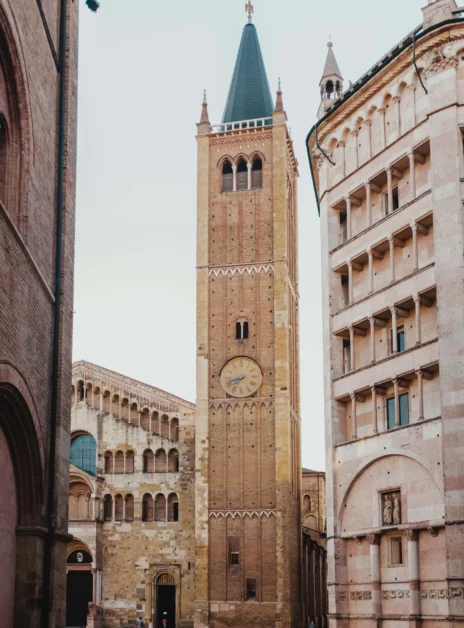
{"x":390,"y":190}
{"x":352,"y":356}
{"x":348,"y":217}
{"x":391,"y":242}
{"x":249,"y":166}
{"x":417,"y":303}
{"x":372,"y":332}
{"x":370,"y":255}
{"x":397,"y":402}
{"x":375,"y":419}
{"x":354,"y":426}
{"x":234,"y":171}
{"x":374,"y":552}
{"x":412,"y":175}
{"x":414,"y":574}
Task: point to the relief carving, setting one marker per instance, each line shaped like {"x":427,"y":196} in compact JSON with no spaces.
{"x":391,"y":508}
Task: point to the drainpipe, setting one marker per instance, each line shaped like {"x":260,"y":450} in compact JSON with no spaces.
{"x":51,"y":523}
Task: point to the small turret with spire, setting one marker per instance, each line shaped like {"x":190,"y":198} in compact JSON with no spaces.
{"x":331,"y":82}
{"x":279,"y":114}
{"x":204,"y":126}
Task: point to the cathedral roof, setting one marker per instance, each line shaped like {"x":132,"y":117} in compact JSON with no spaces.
{"x":331,"y":66}
{"x":249,"y":94}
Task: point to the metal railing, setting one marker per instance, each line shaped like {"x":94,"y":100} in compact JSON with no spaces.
{"x":228,"y":127}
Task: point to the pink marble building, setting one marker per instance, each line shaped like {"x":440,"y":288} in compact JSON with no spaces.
{"x":388,"y":166}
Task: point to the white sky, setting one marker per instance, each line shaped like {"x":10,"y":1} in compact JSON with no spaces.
{"x":143,"y":67}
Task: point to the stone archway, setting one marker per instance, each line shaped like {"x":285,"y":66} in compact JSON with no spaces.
{"x":79,"y":584}
{"x":163,"y":595}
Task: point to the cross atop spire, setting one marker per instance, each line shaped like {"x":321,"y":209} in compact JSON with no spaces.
{"x":250,"y":8}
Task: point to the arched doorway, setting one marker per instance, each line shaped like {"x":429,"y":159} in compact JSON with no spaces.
{"x":79,"y":588}
{"x":165,"y":590}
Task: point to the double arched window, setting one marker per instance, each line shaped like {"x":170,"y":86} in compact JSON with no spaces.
{"x":84,"y":453}
{"x":241,"y":330}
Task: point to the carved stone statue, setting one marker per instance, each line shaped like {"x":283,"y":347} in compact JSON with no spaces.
{"x":396,"y":509}
{"x":387,"y":511}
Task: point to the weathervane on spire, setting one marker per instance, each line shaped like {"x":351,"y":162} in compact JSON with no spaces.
{"x":250,"y":8}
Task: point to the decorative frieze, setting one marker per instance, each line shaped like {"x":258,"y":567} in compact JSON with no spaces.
{"x":442,"y":594}
{"x":241,"y":514}
{"x":241,"y":270}
{"x":396,"y":594}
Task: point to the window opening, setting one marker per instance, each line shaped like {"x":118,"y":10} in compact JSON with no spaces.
{"x":242,"y":175}
{"x":108,"y":508}
{"x":257,"y":174}
{"x":241,"y":330}
{"x":176,"y":511}
{"x":391,"y":413}
{"x":227,"y":177}
{"x":396,"y":551}
{"x":404,"y":411}
{"x":346,"y":356}
{"x":396,"y":198}
{"x":251,"y":589}
{"x":84,"y":453}
{"x":233,"y":543}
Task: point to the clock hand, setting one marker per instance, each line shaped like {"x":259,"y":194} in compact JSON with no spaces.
{"x":238,"y":379}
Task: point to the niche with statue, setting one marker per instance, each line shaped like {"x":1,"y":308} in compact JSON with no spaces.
{"x":391,"y":508}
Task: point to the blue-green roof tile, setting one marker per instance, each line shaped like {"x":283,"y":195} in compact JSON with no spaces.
{"x":249,"y":94}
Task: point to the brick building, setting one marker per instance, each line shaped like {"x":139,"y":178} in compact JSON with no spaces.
{"x":314,"y":557}
{"x":131,"y":503}
{"x":38,"y":90}
{"x":388,"y":166}
{"x":248,"y":474}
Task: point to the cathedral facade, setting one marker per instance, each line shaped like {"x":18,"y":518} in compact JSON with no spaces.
{"x":387,"y":160}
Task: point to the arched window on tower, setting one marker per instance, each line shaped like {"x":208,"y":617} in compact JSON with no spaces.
{"x":241,"y":330}
{"x":84,"y":453}
{"x":242,"y":175}
{"x":118,"y":508}
{"x":160,"y":507}
{"x":108,"y":462}
{"x":129,"y":462}
{"x":147,"y":507}
{"x":257,"y":174}
{"x":306,"y":503}
{"x":129,"y":499}
{"x":148,"y":461}
{"x":227,"y":177}
{"x":173,"y":507}
{"x":173,"y":461}
{"x":108,"y":507}
{"x":119,"y":462}
{"x":329,"y":89}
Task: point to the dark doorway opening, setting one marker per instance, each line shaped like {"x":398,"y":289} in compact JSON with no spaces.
{"x":78,"y":595}
{"x":166,"y":603}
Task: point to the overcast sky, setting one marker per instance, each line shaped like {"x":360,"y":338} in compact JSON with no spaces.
{"x":143,"y":67}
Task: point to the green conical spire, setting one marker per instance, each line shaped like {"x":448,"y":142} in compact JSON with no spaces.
{"x":249,"y":94}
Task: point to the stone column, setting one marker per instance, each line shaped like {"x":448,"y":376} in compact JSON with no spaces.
{"x":394,"y":330}
{"x":350,"y":282}
{"x":420,"y":393}
{"x":371,"y":270}
{"x":372,"y":327}
{"x":390,"y":190}
{"x":391,"y":241}
{"x":348,"y":217}
{"x":354,"y":426}
{"x":375,"y":420}
{"x":234,"y":171}
{"x":368,"y":123}
{"x":414,"y":575}
{"x":352,"y":357}
{"x":396,"y":100}
{"x":417,"y":303}
{"x":397,"y":403}
{"x":374,"y":550}
{"x":412,"y":175}
{"x":249,"y":166}
{"x":368,"y":203}
{"x":415,"y":253}
{"x":382,"y":124}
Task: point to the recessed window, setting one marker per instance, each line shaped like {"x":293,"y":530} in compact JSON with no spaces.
{"x":404,"y":411}
{"x":251,"y":589}
{"x":396,"y":198}
{"x":233,"y":543}
{"x":242,"y":175}
{"x":234,"y":558}
{"x":241,"y":330}
{"x":400,"y":339}
{"x":396,"y":551}
{"x":257,"y":174}
{"x":227,"y":177}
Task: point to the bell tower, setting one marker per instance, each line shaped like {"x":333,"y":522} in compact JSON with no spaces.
{"x":248,"y":467}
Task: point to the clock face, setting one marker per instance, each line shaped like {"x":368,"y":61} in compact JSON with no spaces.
{"x":241,"y":377}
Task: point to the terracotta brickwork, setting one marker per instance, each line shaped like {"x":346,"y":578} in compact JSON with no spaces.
{"x":389,"y":182}
{"x":29,"y":127}
{"x":248,"y":448}
{"x":131,"y":527}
